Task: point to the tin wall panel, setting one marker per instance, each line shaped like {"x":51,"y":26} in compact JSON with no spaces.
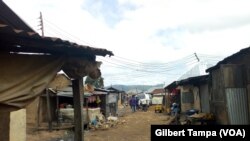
{"x":237,"y":105}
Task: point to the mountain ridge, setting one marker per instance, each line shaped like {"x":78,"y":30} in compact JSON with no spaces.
{"x":131,"y":87}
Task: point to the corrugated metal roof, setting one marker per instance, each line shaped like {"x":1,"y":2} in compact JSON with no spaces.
{"x":194,"y":80}
{"x":227,"y":59}
{"x":9,"y":17}
{"x":17,"y":36}
{"x":19,"y":40}
{"x":197,"y":70}
{"x":171,"y":85}
{"x":68,"y":92}
{"x":191,"y":80}
{"x":114,"y":90}
{"x":158,"y":91}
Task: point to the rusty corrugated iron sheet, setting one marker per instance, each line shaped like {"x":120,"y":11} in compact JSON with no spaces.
{"x":227,"y":59}
{"x":158,"y":91}
{"x":30,"y":41}
{"x":196,"y":80}
{"x":237,"y":106}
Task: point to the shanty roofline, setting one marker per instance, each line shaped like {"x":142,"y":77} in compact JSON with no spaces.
{"x":114,"y":89}
{"x":225,"y":61}
{"x":102,"y":90}
{"x":21,"y":41}
{"x":9,"y":17}
{"x":106,"y":90}
{"x":193,"y":80}
{"x":17,"y":36}
{"x":171,"y":85}
{"x":157,"y":91}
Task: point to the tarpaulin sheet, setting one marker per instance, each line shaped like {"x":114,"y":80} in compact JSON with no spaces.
{"x":24,"y":77}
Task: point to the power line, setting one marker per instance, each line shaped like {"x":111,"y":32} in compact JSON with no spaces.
{"x":149,"y":69}
{"x":64,"y":31}
{"x":167,"y":65}
{"x":140,"y":69}
{"x":138,"y":62}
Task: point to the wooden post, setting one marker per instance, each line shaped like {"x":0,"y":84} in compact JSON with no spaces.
{"x":57,"y":109}
{"x":165,"y":101}
{"x":49,"y":110}
{"x":38,"y":113}
{"x":87,"y":111}
{"x":78,"y":108}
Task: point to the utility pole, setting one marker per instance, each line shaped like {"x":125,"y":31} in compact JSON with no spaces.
{"x":197,"y":57}
{"x":41,"y":24}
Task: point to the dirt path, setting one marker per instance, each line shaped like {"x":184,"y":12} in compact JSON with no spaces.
{"x":135,"y":127}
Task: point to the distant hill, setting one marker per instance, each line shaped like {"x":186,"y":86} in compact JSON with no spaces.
{"x":138,"y":87}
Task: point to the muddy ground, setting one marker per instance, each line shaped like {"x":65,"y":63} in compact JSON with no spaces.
{"x":134,"y":127}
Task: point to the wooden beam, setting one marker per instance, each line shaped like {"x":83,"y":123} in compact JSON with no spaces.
{"x":38,"y":113}
{"x":57,"y":109}
{"x":49,"y":109}
{"x":78,"y":108}
{"x":88,"y":120}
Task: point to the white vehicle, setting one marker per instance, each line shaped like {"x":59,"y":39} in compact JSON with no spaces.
{"x":145,"y":97}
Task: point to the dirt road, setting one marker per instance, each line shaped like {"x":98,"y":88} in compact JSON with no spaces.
{"x":135,"y":127}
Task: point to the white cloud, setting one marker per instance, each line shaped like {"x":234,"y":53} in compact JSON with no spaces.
{"x":151,"y":31}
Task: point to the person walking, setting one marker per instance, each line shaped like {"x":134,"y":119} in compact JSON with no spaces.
{"x":137,"y":103}
{"x":143,"y":102}
{"x":133,"y":103}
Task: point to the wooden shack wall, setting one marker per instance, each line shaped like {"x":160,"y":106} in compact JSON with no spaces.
{"x":231,"y":77}
{"x":204,"y":98}
{"x":103,"y":105}
{"x":32,"y":110}
{"x":186,"y":96}
{"x":197,"y":101}
{"x":218,"y":105}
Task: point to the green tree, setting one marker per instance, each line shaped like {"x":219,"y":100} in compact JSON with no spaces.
{"x":97,"y":83}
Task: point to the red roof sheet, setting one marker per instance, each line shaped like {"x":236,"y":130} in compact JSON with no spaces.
{"x":158,"y":91}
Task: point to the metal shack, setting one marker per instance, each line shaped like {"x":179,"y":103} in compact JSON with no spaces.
{"x":229,"y":86}
{"x":111,"y":102}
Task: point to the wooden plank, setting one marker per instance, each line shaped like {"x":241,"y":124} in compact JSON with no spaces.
{"x":78,"y":108}
{"x":233,"y":76}
{"x":57,"y":110}
{"x":88,"y":120}
{"x":49,"y":110}
{"x":5,"y":123}
{"x":38,"y":113}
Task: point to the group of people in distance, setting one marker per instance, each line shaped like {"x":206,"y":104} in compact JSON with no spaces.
{"x":136,"y":103}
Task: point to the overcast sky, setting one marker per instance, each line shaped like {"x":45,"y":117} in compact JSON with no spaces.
{"x":154,"y":41}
